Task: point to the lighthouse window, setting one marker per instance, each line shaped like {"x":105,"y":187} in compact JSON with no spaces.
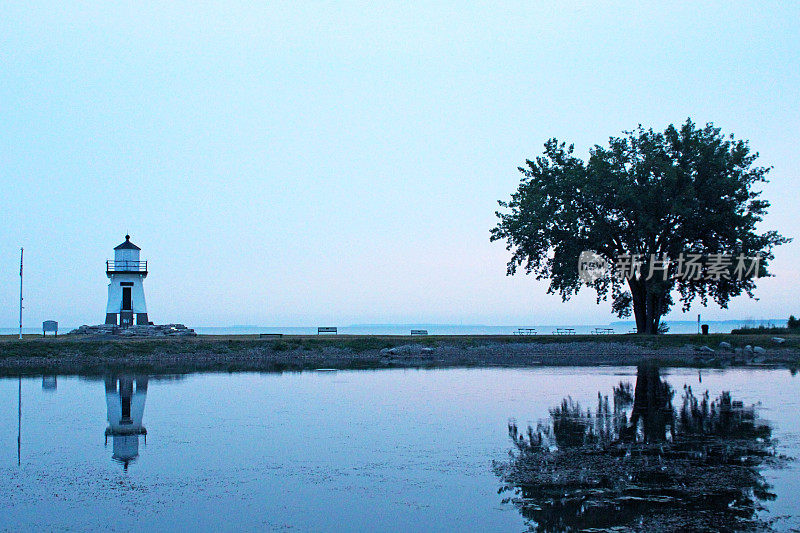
{"x":126,"y":283}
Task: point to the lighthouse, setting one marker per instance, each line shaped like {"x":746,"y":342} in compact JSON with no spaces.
{"x":125,"y":288}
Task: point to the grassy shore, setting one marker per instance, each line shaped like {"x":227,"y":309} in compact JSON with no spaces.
{"x":87,"y":355}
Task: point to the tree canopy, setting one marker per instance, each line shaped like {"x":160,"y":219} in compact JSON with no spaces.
{"x":660,"y":202}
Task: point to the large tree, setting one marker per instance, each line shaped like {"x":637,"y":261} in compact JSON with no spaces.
{"x":656,"y":203}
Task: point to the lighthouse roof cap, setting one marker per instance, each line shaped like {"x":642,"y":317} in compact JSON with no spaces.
{"x":127,"y":245}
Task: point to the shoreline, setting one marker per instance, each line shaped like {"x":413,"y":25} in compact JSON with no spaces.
{"x":84,"y":355}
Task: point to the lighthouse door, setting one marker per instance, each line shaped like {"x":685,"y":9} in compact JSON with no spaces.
{"x":126,"y":299}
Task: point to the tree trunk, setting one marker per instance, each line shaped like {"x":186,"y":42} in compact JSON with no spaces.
{"x":638,"y":295}
{"x":647,"y":307}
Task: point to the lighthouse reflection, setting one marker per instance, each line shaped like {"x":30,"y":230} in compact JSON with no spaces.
{"x":125,"y":398}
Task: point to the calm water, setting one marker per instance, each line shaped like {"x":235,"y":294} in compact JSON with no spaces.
{"x":392,"y":450}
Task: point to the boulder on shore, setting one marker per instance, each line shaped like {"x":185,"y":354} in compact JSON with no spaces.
{"x":406,"y":350}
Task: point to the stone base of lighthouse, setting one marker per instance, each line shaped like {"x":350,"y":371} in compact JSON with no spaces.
{"x":126,"y":318}
{"x":160,"y":330}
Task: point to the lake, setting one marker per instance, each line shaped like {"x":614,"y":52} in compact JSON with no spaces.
{"x":388,"y":450}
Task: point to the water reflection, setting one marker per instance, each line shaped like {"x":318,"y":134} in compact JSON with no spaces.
{"x":637,"y":462}
{"x":125,"y":398}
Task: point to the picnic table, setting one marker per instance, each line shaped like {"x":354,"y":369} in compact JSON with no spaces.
{"x":603,"y":331}
{"x":525,"y":331}
{"x":564,"y":331}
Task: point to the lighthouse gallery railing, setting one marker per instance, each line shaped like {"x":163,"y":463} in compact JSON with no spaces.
{"x":126,"y":266}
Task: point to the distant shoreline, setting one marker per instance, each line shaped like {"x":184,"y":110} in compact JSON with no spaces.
{"x":249,"y":353}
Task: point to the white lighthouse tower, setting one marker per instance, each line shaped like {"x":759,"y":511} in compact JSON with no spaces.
{"x":126,"y":289}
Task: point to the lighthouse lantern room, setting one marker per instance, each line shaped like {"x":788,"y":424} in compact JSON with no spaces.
{"x":125,"y":289}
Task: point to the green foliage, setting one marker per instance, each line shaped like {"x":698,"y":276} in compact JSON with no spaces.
{"x":686,"y":190}
{"x":793,"y":323}
{"x":280,"y":346}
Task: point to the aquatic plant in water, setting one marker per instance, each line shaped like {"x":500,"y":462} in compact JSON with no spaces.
{"x":639,"y":463}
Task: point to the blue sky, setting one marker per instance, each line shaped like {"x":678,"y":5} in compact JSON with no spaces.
{"x":300,"y":163}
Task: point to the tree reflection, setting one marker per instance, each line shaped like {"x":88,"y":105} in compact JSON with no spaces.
{"x":637,"y":462}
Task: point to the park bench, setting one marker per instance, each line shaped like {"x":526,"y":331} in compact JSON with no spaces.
{"x":419,"y":332}
{"x":335,"y":331}
{"x":270,"y":335}
{"x":525,"y":331}
{"x":564,"y":331}
{"x":49,"y":325}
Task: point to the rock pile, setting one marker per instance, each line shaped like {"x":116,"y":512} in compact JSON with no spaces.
{"x":729,"y":355}
{"x":407,"y":350}
{"x":161,"y":330}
